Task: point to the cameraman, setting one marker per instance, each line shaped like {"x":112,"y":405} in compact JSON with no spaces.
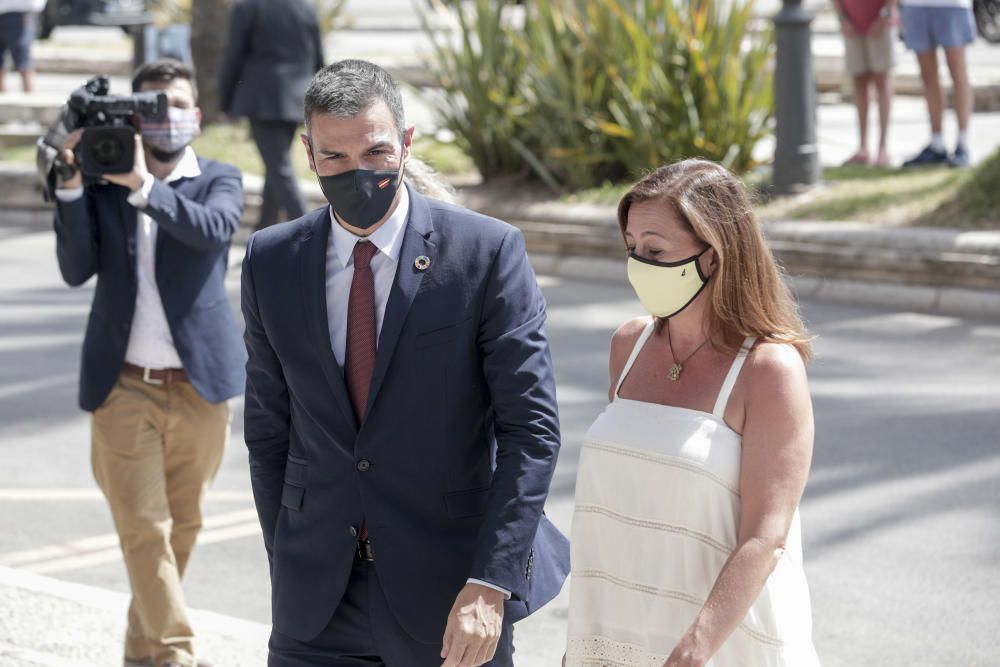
{"x":162,"y":352}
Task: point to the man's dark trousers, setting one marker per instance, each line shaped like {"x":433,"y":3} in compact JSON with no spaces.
{"x":281,"y":192}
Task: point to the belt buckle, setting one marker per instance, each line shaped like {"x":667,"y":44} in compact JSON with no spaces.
{"x":149,"y":379}
{"x":365,"y":551}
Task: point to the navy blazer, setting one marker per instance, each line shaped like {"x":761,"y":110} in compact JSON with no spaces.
{"x":272,"y":51}
{"x":452,"y":464}
{"x":196,"y":217}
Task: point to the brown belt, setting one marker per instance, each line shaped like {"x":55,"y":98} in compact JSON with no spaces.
{"x":154,"y":375}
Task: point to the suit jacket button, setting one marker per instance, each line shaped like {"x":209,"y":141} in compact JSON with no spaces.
{"x":364,"y":465}
{"x":353,"y":531}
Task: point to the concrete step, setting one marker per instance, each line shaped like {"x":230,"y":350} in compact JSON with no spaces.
{"x":82,"y":61}
{"x":40,"y":109}
{"x":20,"y":133}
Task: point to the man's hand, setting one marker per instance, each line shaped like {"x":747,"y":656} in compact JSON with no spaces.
{"x":69,"y":145}
{"x":474,"y":626}
{"x":133,"y":179}
{"x":883,"y":23}
{"x":847,"y":28}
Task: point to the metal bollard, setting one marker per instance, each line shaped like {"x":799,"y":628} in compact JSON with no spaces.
{"x":796,"y":158}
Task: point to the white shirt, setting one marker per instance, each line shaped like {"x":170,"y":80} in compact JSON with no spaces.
{"x":150,"y":343}
{"x":21,"y":6}
{"x":960,"y":4}
{"x":340,"y":274}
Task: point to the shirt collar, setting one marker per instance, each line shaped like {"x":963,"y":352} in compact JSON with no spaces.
{"x":388,"y":238}
{"x":187,"y":167}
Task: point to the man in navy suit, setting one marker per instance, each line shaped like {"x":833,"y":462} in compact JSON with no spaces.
{"x":162,"y":351}
{"x":400,"y":408}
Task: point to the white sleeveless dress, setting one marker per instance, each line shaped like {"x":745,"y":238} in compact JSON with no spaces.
{"x":656,"y":517}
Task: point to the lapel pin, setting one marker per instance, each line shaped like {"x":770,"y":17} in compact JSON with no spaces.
{"x":422,"y":263}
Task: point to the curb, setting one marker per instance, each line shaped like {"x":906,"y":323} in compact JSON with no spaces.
{"x":931,"y":257}
{"x":931,"y":270}
{"x":940,"y":300}
{"x":53,"y":623}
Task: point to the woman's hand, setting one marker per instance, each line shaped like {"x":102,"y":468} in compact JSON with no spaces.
{"x":686,"y":654}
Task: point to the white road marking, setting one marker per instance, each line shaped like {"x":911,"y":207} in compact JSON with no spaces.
{"x":93,"y":495}
{"x":10,"y":390}
{"x":103,"y":549}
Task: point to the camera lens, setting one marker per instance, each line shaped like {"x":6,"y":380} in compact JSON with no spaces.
{"x":108,"y":150}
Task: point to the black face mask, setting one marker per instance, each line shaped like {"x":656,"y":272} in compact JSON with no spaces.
{"x":361,"y":197}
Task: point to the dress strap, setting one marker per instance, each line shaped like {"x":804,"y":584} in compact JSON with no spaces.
{"x":643,"y":337}
{"x":734,"y":372}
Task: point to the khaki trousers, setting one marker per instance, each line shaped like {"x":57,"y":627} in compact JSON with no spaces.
{"x":154,"y":450}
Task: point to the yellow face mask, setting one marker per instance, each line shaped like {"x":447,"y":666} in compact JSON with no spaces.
{"x":666,"y":288}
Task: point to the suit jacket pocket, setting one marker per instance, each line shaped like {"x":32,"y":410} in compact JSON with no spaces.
{"x":463,"y":504}
{"x":294,"y":490}
{"x":292,"y":496}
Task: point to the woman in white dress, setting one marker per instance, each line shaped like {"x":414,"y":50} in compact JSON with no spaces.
{"x":686,"y":548}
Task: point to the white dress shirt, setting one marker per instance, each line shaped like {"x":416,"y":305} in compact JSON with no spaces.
{"x":150,"y":343}
{"x":340,"y":270}
{"x":340,"y":274}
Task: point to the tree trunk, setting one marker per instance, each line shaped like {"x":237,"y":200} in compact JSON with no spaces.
{"x":209,"y":24}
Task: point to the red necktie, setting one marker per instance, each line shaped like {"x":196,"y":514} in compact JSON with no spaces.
{"x":359,"y":357}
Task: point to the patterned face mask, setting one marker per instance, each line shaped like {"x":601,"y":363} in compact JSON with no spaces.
{"x":172,"y":135}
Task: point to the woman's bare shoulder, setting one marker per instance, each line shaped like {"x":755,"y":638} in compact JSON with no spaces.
{"x":626,"y":335}
{"x":776,"y":363}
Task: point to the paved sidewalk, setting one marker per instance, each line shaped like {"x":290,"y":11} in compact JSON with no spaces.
{"x":46,"y":622}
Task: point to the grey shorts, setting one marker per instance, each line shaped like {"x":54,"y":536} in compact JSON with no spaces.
{"x":870,"y":53}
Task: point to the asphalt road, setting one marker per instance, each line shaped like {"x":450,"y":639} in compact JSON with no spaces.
{"x":901,"y":517}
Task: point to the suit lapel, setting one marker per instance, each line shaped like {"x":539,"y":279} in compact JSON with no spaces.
{"x":417,"y":241}
{"x":314,"y":246}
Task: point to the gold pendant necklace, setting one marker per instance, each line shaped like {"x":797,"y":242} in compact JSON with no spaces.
{"x":678,"y":366}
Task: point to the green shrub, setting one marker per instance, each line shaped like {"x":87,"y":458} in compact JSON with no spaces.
{"x":478,"y":76}
{"x":589,"y":91}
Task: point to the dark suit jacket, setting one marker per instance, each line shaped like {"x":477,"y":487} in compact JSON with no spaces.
{"x":452,"y":464}
{"x":96,"y":234}
{"x":273,"y":49}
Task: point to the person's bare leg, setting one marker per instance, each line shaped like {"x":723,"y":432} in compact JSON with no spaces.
{"x":955,"y":57}
{"x":932,"y":88}
{"x":883,"y":90}
{"x":861,"y":85}
{"x":27,"y":80}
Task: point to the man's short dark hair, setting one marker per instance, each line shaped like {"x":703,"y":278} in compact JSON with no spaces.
{"x":348,"y":87}
{"x":164,"y":70}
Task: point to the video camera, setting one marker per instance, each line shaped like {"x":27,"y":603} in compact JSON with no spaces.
{"x":109,"y":124}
